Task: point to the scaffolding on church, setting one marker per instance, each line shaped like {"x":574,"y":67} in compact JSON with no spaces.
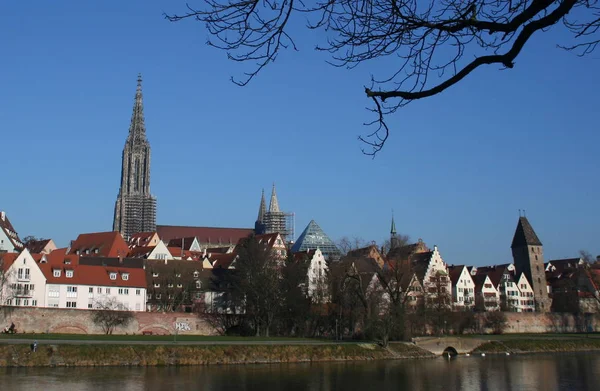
{"x":282,"y":223}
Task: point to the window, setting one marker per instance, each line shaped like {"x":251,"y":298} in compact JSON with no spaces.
{"x":170,"y":285}
{"x":158,"y":296}
{"x":91,"y":290}
{"x":178,"y":275}
{"x":196,"y":274}
{"x":31,"y":286}
{"x":72,"y":289}
{"x":34,"y":302}
{"x":155,"y":274}
{"x":56,"y":273}
{"x":99,"y":290}
{"x":89,"y":306}
{"x":26,"y":273}
{"x":96,"y":251}
{"x":125,"y":276}
{"x":69,"y":273}
{"x":108,"y":291}
{"x":179,"y":285}
{"x":156,"y":285}
{"x":120,"y":291}
{"x":149,"y":296}
{"x":125,"y":291}
{"x":17,"y":301}
{"x":26,"y":302}
{"x":113,"y":276}
{"x":198,"y":284}
{"x":138,"y":292}
{"x":71,"y":304}
{"x":20,"y":274}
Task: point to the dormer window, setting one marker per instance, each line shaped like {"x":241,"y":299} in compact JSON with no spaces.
{"x":113,"y":276}
{"x":77,"y":252}
{"x":178,"y":275}
{"x":196,"y":274}
{"x":154,"y":274}
{"x":69,"y":273}
{"x":156,"y":285}
{"x":87,"y":251}
{"x":125,"y":276}
{"x":56,"y":272}
{"x":170,"y":285}
{"x":180,"y":285}
{"x":198,"y":284}
{"x":43,"y":260}
{"x":95,"y":251}
{"x":67,"y":261}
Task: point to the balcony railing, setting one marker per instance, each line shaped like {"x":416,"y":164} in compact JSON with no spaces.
{"x":24,"y":292}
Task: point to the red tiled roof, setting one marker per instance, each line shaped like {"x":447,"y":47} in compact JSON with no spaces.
{"x":212,"y":235}
{"x":186,"y":243}
{"x":455,"y":272}
{"x":93,"y":275}
{"x":108,"y":244}
{"x":222,"y":261}
{"x":141,"y":239}
{"x":140,"y":252}
{"x":37,"y":246}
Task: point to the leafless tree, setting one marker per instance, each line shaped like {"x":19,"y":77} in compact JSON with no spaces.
{"x":433,"y":45}
{"x":111,"y":314}
{"x":346,"y":244}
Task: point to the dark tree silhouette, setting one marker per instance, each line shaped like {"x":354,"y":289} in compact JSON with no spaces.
{"x":437,"y":43}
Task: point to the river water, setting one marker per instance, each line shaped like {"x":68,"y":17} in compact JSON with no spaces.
{"x":577,"y":372}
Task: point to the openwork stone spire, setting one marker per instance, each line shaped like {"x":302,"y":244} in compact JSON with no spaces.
{"x":274,"y":205}
{"x":135,"y":209}
{"x":262,"y":209}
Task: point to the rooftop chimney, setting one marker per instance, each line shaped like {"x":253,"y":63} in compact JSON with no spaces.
{"x":3,"y":215}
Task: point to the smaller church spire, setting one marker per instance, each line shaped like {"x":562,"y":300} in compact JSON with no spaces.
{"x":274,"y":205}
{"x":393,"y":229}
{"x":262,"y":209}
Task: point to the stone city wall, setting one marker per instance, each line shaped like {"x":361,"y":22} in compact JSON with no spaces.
{"x":67,"y":321}
{"x":533,"y":322}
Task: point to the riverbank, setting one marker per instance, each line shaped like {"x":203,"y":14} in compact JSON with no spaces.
{"x":541,"y":345}
{"x":63,"y":355}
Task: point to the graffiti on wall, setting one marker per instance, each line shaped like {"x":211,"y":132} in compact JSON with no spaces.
{"x":182,"y":326}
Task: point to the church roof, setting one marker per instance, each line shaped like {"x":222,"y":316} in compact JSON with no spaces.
{"x":314,"y":237}
{"x":211,"y":235}
{"x":525,"y":235}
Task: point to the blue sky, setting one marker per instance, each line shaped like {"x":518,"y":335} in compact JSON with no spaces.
{"x":456,"y":168}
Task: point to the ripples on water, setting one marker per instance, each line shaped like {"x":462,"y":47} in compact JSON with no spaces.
{"x":576,"y":372}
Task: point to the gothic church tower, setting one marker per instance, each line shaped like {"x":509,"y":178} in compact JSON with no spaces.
{"x":135,"y":209}
{"x":528,"y":255}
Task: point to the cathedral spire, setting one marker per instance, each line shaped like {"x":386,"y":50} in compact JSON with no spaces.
{"x":274,"y":205}
{"x":137,"y":128}
{"x":262,"y":209}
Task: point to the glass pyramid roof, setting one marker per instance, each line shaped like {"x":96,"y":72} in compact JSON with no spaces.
{"x":312,"y":238}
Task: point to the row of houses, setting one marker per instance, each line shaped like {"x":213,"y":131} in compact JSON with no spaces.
{"x":150,"y":273}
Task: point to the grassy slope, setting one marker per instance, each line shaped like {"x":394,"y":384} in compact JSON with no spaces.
{"x":144,"y":355}
{"x":179,"y":338}
{"x":538,"y":345}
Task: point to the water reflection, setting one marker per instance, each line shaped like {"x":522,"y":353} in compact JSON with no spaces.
{"x":577,"y":372}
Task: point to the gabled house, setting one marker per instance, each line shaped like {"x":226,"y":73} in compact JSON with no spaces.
{"x":23,"y":282}
{"x":463,"y":287}
{"x":317,"y":274}
{"x":208,"y":237}
{"x":432,"y":272}
{"x":487,"y":296}
{"x":370,"y":252}
{"x":160,"y":251}
{"x":59,"y":280}
{"x":275,"y":243}
{"x":9,"y":238}
{"x":526,"y":301}
{"x":503,"y":279}
{"x":43,"y":246}
{"x":100,"y":244}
